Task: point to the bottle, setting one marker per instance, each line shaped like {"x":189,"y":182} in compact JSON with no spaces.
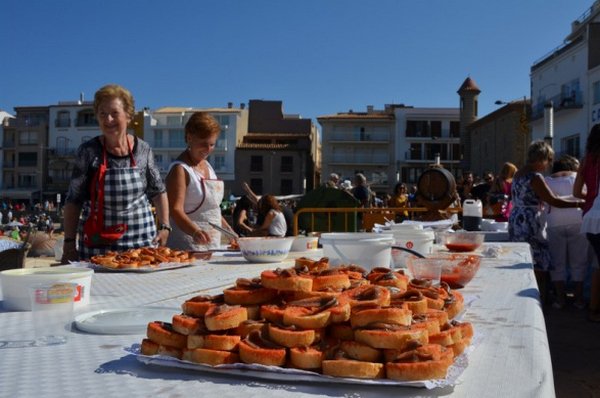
{"x":472,"y":215}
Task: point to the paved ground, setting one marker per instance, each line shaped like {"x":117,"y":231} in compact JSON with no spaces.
{"x":574,"y":347}
{"x":575,"y":351}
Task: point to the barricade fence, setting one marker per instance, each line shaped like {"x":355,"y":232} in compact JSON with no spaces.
{"x":352,"y":219}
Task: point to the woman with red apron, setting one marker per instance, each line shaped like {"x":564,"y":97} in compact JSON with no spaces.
{"x":114,"y":179}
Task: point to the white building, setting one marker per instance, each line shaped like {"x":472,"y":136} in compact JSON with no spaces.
{"x":71,"y":123}
{"x":394,"y":144}
{"x":421,"y":135}
{"x":569,"y":77}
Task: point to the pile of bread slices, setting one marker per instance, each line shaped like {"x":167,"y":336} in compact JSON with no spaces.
{"x":341,"y":321}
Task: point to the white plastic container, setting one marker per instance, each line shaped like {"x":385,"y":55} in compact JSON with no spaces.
{"x":366,"y":249}
{"x":304,"y":243}
{"x":472,"y":215}
{"x":16,"y":284}
{"x":419,"y":240}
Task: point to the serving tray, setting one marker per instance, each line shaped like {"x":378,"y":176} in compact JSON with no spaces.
{"x":279,"y":374}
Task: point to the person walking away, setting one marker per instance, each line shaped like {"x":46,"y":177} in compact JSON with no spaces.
{"x":526,"y":224}
{"x":569,"y":248}
{"x":588,"y":177}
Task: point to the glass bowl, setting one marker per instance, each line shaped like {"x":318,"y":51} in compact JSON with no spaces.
{"x":458,"y":269}
{"x":462,"y":241}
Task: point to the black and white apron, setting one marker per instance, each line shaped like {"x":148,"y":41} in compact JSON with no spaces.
{"x":202,"y":205}
{"x":125,"y":202}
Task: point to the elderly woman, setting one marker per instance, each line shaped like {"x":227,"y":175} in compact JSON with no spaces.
{"x":108,"y":203}
{"x":195,"y":193}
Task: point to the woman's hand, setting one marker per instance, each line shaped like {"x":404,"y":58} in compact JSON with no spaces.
{"x":161,"y":237}
{"x":69,"y":253}
{"x":201,"y":237}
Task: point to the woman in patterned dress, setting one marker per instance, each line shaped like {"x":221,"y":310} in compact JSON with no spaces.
{"x":529,"y":191}
{"x":119,"y":196}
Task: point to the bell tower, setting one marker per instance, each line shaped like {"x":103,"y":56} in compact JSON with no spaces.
{"x":469,"y":93}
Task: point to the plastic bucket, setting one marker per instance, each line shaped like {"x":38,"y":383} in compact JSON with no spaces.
{"x":366,"y":249}
{"x":420,"y":241}
{"x":16,"y":284}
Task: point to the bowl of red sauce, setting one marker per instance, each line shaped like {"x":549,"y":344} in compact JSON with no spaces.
{"x":462,"y":241}
{"x":458,"y":269}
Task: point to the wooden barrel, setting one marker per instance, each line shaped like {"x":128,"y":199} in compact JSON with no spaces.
{"x":435,"y":188}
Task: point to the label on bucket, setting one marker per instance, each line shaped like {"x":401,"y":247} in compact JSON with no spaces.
{"x":56,"y":293}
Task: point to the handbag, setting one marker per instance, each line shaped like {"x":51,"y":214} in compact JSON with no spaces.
{"x":94,"y":232}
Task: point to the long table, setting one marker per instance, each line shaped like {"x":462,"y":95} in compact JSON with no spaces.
{"x":512,"y":359}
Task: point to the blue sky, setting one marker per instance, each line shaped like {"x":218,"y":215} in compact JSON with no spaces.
{"x":317,"y":56}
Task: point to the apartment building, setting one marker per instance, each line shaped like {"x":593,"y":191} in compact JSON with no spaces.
{"x":279,"y":154}
{"x":24,"y":145}
{"x":567,"y":80}
{"x":71,"y":123}
{"x":360,"y":142}
{"x":423,"y":135}
{"x":163,"y":129}
{"x":393,"y":144}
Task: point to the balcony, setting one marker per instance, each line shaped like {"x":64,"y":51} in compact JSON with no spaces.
{"x":62,"y":123}
{"x":359,"y":138}
{"x":560,"y":102}
{"x":367,"y":159}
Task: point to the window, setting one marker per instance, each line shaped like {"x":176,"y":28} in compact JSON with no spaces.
{"x":570,"y":145}
{"x":417,"y":128}
{"x":223,"y":121}
{"x":286,"y":187}
{"x":174,"y":120}
{"x":221,"y":144}
{"x":256,"y":184}
{"x":176,"y":139}
{"x":63,"y":119}
{"x":436,"y":128}
{"x":287,"y":164}
{"x":455,"y":155}
{"x":218,"y":162}
{"x":27,"y":181}
{"x":415,"y":151}
{"x":28,"y":138}
{"x":433,"y":149}
{"x":158,"y":138}
{"x":28,"y":159}
{"x":596,"y":92}
{"x":86,"y":118}
{"x":455,"y":129}
{"x":158,"y":159}
{"x":62,"y":144}
{"x":256,"y":164}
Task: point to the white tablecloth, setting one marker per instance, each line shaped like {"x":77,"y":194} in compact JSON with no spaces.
{"x":512,"y":360}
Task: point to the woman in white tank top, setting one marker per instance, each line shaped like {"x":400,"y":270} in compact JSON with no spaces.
{"x":274,"y":221}
{"x":195,"y":193}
